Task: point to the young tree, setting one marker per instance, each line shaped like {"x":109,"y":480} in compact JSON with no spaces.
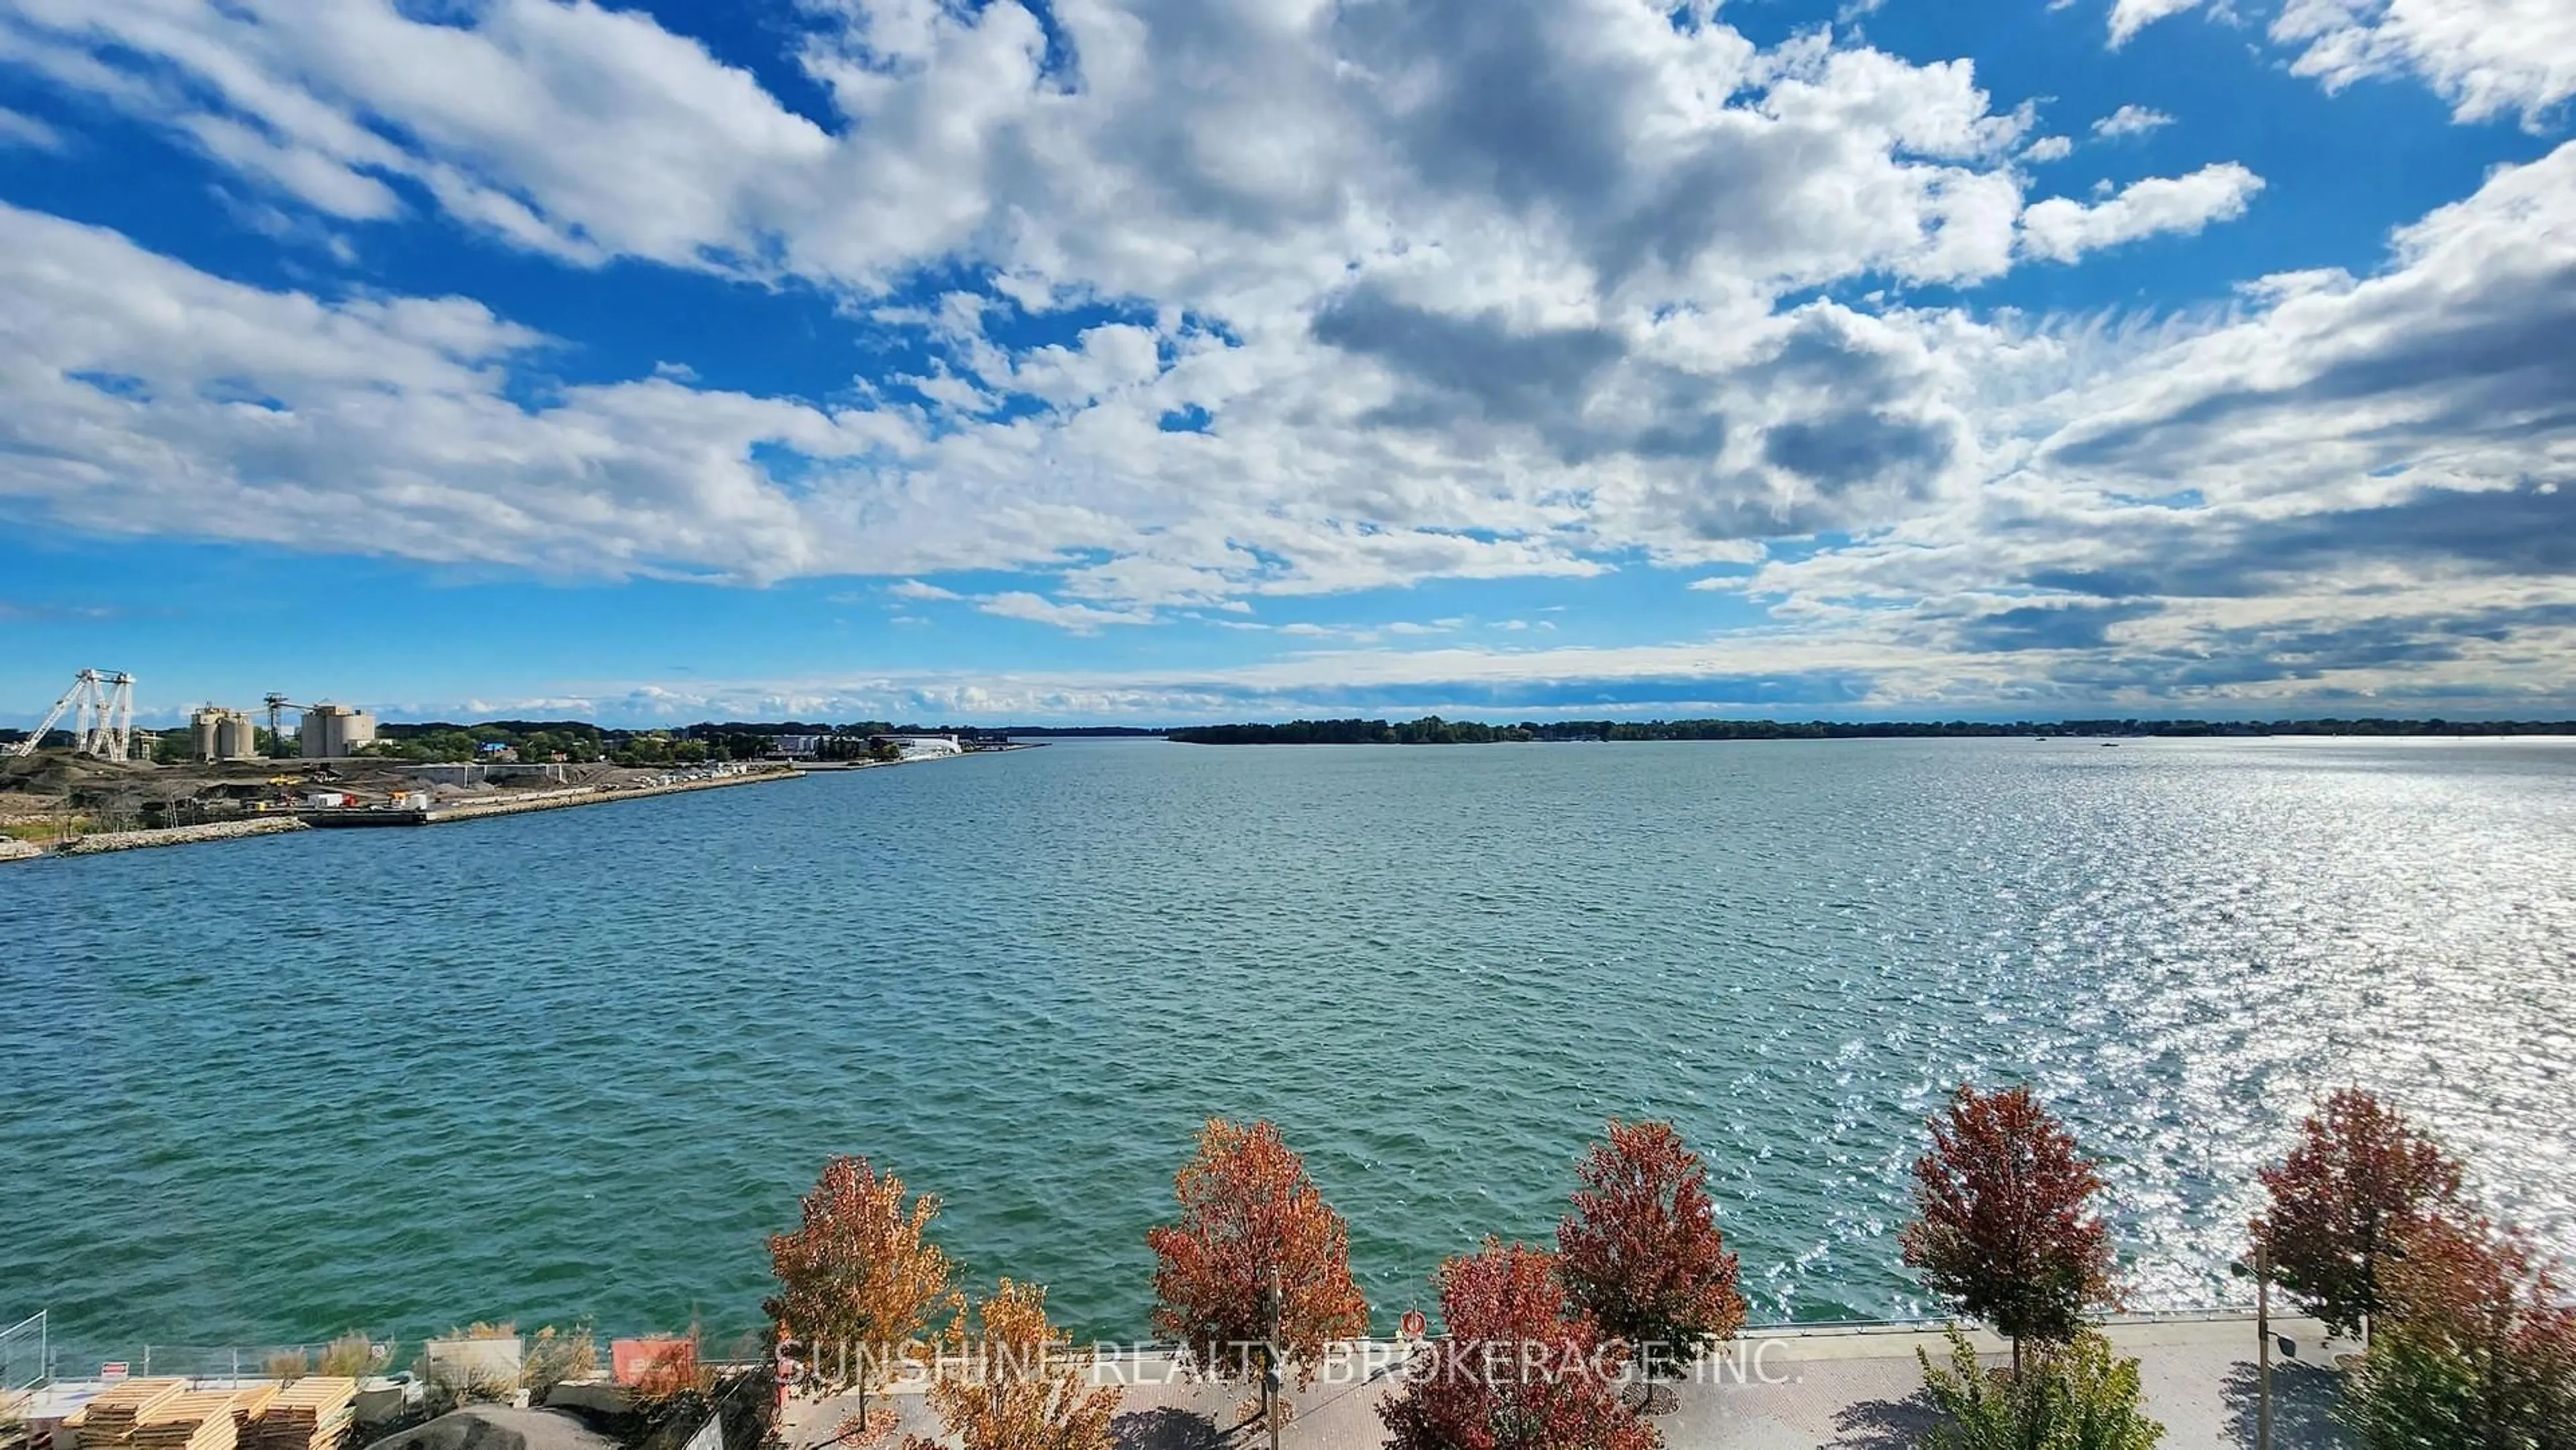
{"x":1257,"y":1272}
{"x":857,"y":1279}
{"x":1517,"y":1367}
{"x":2006,"y":1226}
{"x":2072,"y":1396}
{"x":1641,"y":1253}
{"x":998,"y":1390}
{"x":2476,"y":1347}
{"x":2358,"y":1180}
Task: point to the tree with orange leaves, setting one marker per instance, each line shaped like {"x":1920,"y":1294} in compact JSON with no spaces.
{"x":1641,"y":1252}
{"x":1517,"y":1366}
{"x":2006,"y":1225}
{"x":2357,"y":1182}
{"x":1000,"y":1385}
{"x":857,"y":1279}
{"x":2476,"y":1345}
{"x":1256,"y":1275}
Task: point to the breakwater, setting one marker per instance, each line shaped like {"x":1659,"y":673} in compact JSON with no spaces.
{"x":107,"y":841}
{"x":553,"y":800}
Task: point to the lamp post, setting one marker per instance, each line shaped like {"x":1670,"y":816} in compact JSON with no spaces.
{"x":1270,"y":1377}
{"x":2259,"y":1269}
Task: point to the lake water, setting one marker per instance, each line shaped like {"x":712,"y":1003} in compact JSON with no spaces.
{"x":573,"y":1066}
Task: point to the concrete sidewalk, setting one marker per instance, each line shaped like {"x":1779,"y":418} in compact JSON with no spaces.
{"x":1850,"y":1388}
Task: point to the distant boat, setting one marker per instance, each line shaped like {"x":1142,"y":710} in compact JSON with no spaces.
{"x":2110,"y":744}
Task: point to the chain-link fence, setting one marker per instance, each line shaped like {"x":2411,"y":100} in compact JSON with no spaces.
{"x":25,"y":1349}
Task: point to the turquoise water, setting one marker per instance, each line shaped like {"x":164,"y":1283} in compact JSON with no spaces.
{"x":574,"y":1065}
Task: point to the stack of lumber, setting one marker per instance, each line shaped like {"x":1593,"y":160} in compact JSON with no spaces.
{"x":311,"y":1414}
{"x":248,"y":1406}
{"x":199,"y":1421}
{"x":107,"y":1421}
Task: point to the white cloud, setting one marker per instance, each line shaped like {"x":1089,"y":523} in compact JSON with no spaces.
{"x":2047,"y":149}
{"x":1078,"y":618}
{"x":2486,"y":57}
{"x":2062,"y":230}
{"x":19,"y":129}
{"x":1411,"y":332}
{"x":915,"y":589}
{"x":2128,"y":17}
{"x":2130,"y":120}
{"x":1428,"y":339}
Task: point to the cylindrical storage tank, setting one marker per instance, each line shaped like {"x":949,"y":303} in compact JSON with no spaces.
{"x":205,"y":731}
{"x":236,"y":738}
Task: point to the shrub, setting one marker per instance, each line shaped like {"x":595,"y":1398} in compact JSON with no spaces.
{"x":289,"y":1365}
{"x":353,"y":1356}
{"x":554,"y":1357}
{"x":2069,"y":1395}
{"x":2476,"y":1347}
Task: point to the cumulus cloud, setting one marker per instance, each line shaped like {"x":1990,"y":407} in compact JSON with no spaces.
{"x":2062,"y":230}
{"x":2486,"y":57}
{"x":2130,"y":120}
{"x":2128,"y":17}
{"x":1206,"y":303}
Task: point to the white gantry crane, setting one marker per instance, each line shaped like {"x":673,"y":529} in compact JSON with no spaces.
{"x":101,"y":703}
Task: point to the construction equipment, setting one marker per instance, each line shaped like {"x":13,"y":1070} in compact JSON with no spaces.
{"x":102,"y":706}
{"x":276,"y":724}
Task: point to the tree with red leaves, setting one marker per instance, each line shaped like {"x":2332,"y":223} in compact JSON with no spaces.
{"x":1256,"y":1275}
{"x":2006,"y":1226}
{"x":1641,"y":1252}
{"x":2476,"y":1346}
{"x":2359,"y":1180}
{"x":857,"y":1279}
{"x":1517,"y":1367}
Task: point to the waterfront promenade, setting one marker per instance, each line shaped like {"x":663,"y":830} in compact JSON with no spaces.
{"x":1843,"y":1387}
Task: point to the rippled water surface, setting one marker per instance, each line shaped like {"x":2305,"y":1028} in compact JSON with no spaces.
{"x":575,"y":1065}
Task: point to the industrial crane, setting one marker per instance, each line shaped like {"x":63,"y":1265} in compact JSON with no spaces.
{"x":102,"y":706}
{"x":276,"y":740}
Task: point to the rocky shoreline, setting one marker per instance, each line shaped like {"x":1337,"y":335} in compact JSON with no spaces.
{"x":106,"y":841}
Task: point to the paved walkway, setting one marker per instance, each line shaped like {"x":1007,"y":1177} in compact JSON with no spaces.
{"x":1776,"y":1390}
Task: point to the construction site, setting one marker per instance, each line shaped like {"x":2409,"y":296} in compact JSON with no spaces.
{"x":106,"y":785}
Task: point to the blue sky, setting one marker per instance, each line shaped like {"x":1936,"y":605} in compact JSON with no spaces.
{"x":1168,"y":360}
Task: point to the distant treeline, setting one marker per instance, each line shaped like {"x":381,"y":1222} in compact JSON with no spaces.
{"x":1432,"y":730}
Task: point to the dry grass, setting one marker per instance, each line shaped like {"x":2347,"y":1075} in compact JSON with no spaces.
{"x":289,"y":1365}
{"x":353,"y":1356}
{"x":556,"y":1356}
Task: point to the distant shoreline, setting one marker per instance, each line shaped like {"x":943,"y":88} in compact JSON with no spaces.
{"x":1432,"y":730}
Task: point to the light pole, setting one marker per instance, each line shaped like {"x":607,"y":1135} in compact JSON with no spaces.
{"x":1270,"y":1377}
{"x":2259,"y":1269}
